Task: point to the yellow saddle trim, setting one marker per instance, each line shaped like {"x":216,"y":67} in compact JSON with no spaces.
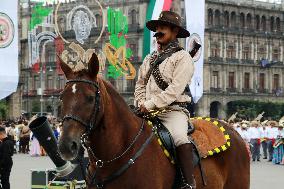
{"x":227,"y":136}
{"x":166,"y":152}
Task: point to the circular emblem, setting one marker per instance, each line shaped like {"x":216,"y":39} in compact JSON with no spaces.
{"x":193,"y":39}
{"x":6,"y":30}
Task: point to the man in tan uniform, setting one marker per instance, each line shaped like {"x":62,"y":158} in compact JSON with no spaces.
{"x":161,"y":83}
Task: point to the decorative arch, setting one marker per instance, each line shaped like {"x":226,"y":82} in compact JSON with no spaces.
{"x":263,"y":23}
{"x":210,"y":17}
{"x":242,"y":20}
{"x":272,"y":24}
{"x":215,"y":109}
{"x":249,"y":21}
{"x":132,"y":17}
{"x":257,"y":22}
{"x":233,"y":19}
{"x":217,"y":18}
{"x":226,"y":19}
{"x":278,"y":24}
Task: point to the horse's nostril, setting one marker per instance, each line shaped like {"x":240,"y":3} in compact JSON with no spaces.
{"x":74,"y":146}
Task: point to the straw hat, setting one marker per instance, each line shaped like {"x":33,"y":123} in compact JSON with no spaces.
{"x":244,"y":125}
{"x":272,"y":123}
{"x":281,"y":122}
{"x":255,"y":123}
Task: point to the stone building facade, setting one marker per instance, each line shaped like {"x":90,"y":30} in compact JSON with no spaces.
{"x":238,"y":35}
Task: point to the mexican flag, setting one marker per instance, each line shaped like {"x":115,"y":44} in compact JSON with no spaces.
{"x":155,"y":7}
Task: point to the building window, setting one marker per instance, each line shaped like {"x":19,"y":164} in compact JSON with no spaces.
{"x":247,"y":81}
{"x":99,"y":21}
{"x":261,"y":53}
{"x":49,"y":82}
{"x":263,"y":23}
{"x":61,"y":82}
{"x":231,"y":80}
{"x":275,"y":55}
{"x":231,"y":53}
{"x":249,"y":21}
{"x":210,"y":17}
{"x":134,"y":49}
{"x":217,"y":18}
{"x":62,"y":24}
{"x":242,"y":20}
{"x":133,"y":16}
{"x":227,"y":19}
{"x":272,"y":24}
{"x":50,"y":56}
{"x":215,"y":79}
{"x":233,"y":19}
{"x":257,"y":22}
{"x":36,"y":82}
{"x":215,"y":51}
{"x":278,"y":26}
{"x":130,"y":85}
{"x":261,"y":81}
{"x":246,"y":53}
{"x":276,"y":81}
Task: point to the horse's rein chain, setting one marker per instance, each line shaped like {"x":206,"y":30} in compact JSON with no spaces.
{"x":91,"y":126}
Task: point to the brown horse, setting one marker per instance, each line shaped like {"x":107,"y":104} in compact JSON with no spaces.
{"x":91,"y":105}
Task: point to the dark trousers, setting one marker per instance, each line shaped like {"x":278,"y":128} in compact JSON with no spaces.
{"x":24,"y":145}
{"x":255,"y":149}
{"x":270,"y":149}
{"x":5,"y":177}
{"x":264,"y":148}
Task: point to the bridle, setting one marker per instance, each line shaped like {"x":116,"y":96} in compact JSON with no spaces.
{"x":93,"y":121}
{"x":90,"y":127}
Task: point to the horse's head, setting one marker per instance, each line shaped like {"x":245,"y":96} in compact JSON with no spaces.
{"x":80,"y":106}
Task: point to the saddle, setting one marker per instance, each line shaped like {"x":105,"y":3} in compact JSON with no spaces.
{"x":207,"y":140}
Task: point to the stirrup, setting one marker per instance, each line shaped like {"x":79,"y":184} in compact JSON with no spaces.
{"x":185,"y":185}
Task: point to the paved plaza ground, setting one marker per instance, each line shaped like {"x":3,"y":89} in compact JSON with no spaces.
{"x":264,"y":175}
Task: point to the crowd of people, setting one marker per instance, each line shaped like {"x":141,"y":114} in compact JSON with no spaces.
{"x":268,"y":135}
{"x":16,"y":137}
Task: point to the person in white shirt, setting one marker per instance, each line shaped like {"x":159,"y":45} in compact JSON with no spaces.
{"x":255,"y":135}
{"x":272,"y":132}
{"x":244,"y":133}
{"x":278,"y":152}
{"x":264,"y":139}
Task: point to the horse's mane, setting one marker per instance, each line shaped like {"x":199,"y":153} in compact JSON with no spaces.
{"x":113,"y":93}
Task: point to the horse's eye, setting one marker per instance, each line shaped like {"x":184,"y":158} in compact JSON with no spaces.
{"x":90,"y":98}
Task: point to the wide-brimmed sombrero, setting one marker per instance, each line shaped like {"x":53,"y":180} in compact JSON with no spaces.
{"x":168,"y":18}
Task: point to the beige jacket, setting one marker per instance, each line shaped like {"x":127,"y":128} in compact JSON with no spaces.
{"x":176,"y":70}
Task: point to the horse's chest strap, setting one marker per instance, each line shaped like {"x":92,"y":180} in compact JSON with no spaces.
{"x":121,"y":170}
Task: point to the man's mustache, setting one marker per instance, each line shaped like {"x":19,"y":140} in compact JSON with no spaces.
{"x":159,"y":34}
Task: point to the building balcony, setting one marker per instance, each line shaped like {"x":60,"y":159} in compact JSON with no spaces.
{"x":232,"y":90}
{"x":247,"y":90}
{"x":232,"y":60}
{"x":55,"y":92}
{"x":263,"y":91}
{"x":247,"y":61}
{"x":215,"y":59}
{"x":215,"y":90}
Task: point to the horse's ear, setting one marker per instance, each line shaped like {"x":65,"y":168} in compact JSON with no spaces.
{"x":65,"y":68}
{"x":94,"y":65}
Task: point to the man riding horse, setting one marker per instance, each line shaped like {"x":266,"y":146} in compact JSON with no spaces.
{"x":161,"y":83}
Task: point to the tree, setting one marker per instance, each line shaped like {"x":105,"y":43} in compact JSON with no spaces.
{"x":3,"y":109}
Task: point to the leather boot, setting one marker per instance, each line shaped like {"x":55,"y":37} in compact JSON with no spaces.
{"x":185,"y":155}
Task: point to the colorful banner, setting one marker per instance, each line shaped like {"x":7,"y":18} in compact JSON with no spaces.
{"x":9,"y":74}
{"x":155,"y":7}
{"x":195,"y":22}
